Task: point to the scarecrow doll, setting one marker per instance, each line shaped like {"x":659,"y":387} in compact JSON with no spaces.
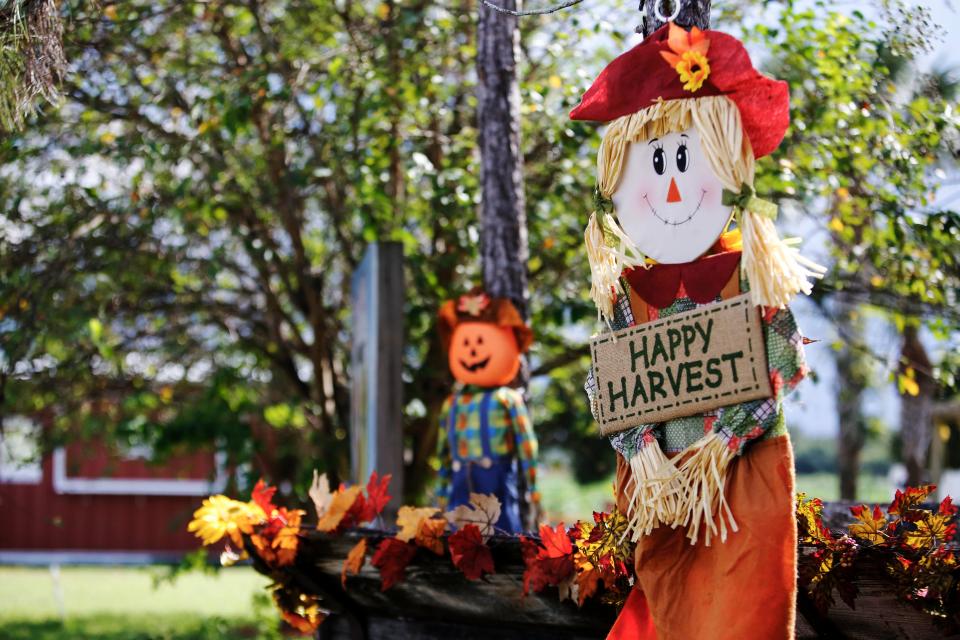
{"x":486,"y":443}
{"x":677,"y":226}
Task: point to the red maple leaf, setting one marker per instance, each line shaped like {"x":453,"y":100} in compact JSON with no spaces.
{"x":549,"y":564}
{"x":556,"y":542}
{"x":947,"y":508}
{"x":468,"y":552}
{"x":392,"y":558}
{"x":377,"y":496}
{"x":365,"y":509}
{"x":905,"y":502}
{"x":263,"y":496}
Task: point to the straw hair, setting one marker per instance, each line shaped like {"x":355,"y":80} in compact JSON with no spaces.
{"x":656,"y":492}
{"x":609,"y":252}
{"x":774,"y":268}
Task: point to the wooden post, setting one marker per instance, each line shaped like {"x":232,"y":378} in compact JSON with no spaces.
{"x":376,"y":401}
{"x":503,"y":219}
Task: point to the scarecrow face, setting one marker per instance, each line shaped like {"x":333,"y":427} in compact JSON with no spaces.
{"x":669,"y":199}
{"x":484,"y":354}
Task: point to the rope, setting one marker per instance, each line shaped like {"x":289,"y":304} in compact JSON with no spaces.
{"x":535,"y":12}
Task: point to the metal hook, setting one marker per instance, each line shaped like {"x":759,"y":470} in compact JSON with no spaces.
{"x":659,"y":14}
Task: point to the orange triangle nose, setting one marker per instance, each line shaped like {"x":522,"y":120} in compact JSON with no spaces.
{"x":673,"y":195}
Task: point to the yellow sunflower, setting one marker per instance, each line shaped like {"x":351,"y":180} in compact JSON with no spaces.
{"x":221,"y":516}
{"x":693,"y":68}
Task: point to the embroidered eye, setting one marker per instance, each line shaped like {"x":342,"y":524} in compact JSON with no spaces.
{"x":659,"y":161}
{"x":683,"y":158}
{"x":466,"y":342}
{"x":479,"y":339}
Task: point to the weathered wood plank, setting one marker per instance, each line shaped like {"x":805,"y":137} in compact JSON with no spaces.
{"x":436,"y":601}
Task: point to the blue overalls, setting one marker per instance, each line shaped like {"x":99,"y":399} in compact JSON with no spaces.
{"x":490,"y":474}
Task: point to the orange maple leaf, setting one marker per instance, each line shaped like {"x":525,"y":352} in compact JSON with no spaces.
{"x":556,"y":542}
{"x":588,"y":579}
{"x":343,"y":499}
{"x":354,"y":561}
{"x":409,"y":519}
{"x":430,"y":534}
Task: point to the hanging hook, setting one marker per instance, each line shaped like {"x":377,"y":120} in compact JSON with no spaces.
{"x":659,"y":14}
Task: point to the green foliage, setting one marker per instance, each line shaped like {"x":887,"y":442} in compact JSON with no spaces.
{"x":870,"y":138}
{"x":178,"y":272}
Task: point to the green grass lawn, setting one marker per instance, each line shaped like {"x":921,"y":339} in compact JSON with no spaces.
{"x":121,"y":603}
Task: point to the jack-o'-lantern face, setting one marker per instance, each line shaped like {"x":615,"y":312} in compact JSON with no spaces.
{"x":669,"y":200}
{"x":484,"y":354}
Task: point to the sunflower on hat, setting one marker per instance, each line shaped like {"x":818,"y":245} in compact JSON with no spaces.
{"x":688,"y":55}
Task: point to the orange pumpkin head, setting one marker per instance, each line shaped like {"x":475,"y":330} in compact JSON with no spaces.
{"x":484,"y":354}
{"x":484,"y":338}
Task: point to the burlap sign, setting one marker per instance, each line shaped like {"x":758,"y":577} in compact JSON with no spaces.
{"x":703,"y":359}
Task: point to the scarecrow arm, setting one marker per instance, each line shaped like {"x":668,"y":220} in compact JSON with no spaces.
{"x":746,"y":422}
{"x":525,"y":438}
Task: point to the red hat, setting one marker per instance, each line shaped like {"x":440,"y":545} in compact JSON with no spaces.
{"x":673,"y":64}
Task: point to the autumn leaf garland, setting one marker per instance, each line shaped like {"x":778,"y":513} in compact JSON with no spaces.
{"x":914,"y":545}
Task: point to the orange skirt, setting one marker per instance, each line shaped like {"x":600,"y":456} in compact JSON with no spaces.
{"x":742,"y":588}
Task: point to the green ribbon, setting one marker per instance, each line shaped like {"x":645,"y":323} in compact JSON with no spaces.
{"x":747,"y":200}
{"x":601,"y":203}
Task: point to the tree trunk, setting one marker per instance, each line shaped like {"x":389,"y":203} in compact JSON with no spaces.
{"x":503,"y":220}
{"x":916,"y":410}
{"x":693,"y":13}
{"x":852,"y":380}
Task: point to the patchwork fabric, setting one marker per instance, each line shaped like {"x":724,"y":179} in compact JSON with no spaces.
{"x":511,"y":433}
{"x":741,"y":423}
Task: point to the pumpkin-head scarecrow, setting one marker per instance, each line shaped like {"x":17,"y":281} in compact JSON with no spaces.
{"x":677,"y":227}
{"x":486,"y":444}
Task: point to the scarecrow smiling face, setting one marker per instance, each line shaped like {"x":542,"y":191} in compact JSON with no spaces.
{"x":484,"y":354}
{"x":669,"y":200}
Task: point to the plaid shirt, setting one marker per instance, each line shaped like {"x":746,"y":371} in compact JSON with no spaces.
{"x":511,"y":433}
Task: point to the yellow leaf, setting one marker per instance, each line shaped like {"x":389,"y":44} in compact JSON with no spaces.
{"x":110,"y":11}
{"x":430,"y":534}
{"x":408,"y":521}
{"x":835,"y":225}
{"x":342,"y":500}
{"x":220,"y":516}
{"x":354,"y":561}
{"x":555,"y":82}
{"x":383,"y":11}
{"x":876,"y":280}
{"x":907,"y":381}
{"x":869,"y":525}
{"x":843,"y":193}
{"x":931,"y":529}
{"x":107,"y":138}
{"x":483,"y":511}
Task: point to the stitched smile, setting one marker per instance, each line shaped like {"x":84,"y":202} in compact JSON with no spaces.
{"x":476,"y":366}
{"x":673,"y":223}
